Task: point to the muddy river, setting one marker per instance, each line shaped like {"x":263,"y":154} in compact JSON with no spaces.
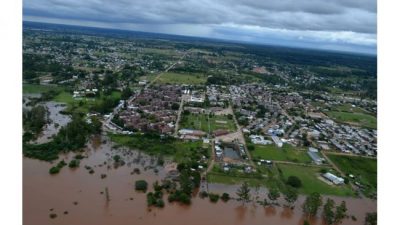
{"x":77,"y":197}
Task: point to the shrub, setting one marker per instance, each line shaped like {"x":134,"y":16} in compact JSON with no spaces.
{"x":54,"y":170}
{"x":225,"y":197}
{"x":294,"y":181}
{"x":213,"y":197}
{"x":141,"y":185}
{"x":160,"y":203}
{"x":203,"y":194}
{"x":179,"y":196}
{"x":74,"y":163}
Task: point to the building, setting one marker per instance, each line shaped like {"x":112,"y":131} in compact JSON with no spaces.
{"x":277,"y":141}
{"x":333,"y":178}
{"x":257,"y":139}
{"x":315,"y":157}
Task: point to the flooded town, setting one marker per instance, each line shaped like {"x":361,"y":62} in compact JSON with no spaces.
{"x":121,"y":127}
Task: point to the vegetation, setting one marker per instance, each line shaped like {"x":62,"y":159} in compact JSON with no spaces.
{"x":213,"y":197}
{"x":141,"y":185}
{"x":371,"y":219}
{"x":364,"y":170}
{"x":294,"y":181}
{"x":225,"y":197}
{"x":207,"y":123}
{"x":244,"y":193}
{"x":181,"y":78}
{"x":70,"y":138}
{"x":34,"y":120}
{"x":361,"y":119}
{"x":312,"y":204}
{"x":56,"y":169}
{"x":310,"y":181}
{"x":286,"y":153}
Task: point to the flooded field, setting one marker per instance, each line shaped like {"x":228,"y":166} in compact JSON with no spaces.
{"x":77,"y":197}
{"x":57,"y":120}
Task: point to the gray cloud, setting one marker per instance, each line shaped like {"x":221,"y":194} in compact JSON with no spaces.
{"x":336,"y":18}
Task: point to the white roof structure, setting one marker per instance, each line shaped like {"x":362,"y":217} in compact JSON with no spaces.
{"x":333,"y":178}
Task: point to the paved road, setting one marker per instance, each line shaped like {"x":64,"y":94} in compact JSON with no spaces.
{"x":183,"y":99}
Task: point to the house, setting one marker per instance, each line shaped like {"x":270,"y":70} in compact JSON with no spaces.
{"x":257,"y":139}
{"x":333,"y":178}
{"x":315,"y":157}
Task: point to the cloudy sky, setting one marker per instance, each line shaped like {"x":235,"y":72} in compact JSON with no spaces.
{"x":344,"y":25}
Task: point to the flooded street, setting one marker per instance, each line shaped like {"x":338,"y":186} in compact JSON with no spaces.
{"x":80,"y":195}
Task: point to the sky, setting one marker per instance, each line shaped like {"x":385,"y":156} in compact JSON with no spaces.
{"x":339,"y":25}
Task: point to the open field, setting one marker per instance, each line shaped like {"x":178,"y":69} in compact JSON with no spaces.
{"x":37,"y":88}
{"x":360,"y":119}
{"x":234,"y":176}
{"x":84,"y":104}
{"x":310,"y":181}
{"x":364,"y":169}
{"x":181,"y":78}
{"x":286,"y":153}
{"x":202,"y":122}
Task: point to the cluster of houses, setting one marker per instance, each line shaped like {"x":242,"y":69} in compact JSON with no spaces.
{"x":153,"y":110}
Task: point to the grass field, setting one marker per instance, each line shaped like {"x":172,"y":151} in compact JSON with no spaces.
{"x":235,"y":176}
{"x":202,"y":122}
{"x":361,"y":119}
{"x":364,"y":169}
{"x":84,"y":104}
{"x":286,"y":153}
{"x":37,"y":88}
{"x":226,"y":179}
{"x":181,"y":78}
{"x":310,"y":181}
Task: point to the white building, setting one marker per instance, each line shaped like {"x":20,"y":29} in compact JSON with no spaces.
{"x":277,"y":141}
{"x":333,"y":178}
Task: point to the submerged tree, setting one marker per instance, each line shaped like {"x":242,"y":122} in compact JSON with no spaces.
{"x":371,"y":218}
{"x":290,"y":196}
{"x":273,"y":194}
{"x":328,"y":213}
{"x":340,"y":212}
{"x":244,"y":192}
{"x":312,"y":204}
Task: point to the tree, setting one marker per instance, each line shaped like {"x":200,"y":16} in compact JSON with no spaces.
{"x":371,"y":219}
{"x":312,"y":203}
{"x":225,"y":197}
{"x":244,"y":192}
{"x":126,"y":93}
{"x":340,"y":212}
{"x":273,"y":194}
{"x":290,"y":195}
{"x":141,"y":185}
{"x":328,"y":213}
{"x":294,"y":181}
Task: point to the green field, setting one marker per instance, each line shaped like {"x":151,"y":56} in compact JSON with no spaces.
{"x":181,"y":78}
{"x":286,"y":153}
{"x":310,"y":181}
{"x":234,"y":176}
{"x":37,"y":88}
{"x":364,"y":169}
{"x":226,"y":179}
{"x":361,"y":119}
{"x":202,"y":122}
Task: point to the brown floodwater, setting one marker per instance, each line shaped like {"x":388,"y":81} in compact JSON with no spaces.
{"x":82,"y":195}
